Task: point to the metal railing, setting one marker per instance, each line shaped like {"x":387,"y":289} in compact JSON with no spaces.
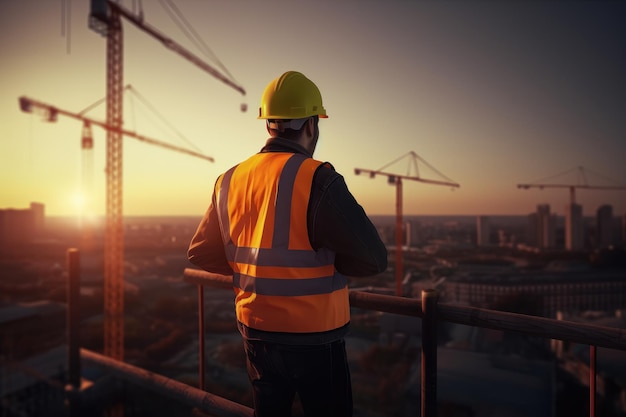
{"x":429,"y":310}
{"x":198,"y":400}
{"x":201,"y":401}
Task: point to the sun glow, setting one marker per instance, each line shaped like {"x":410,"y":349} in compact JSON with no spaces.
{"x":79,"y":202}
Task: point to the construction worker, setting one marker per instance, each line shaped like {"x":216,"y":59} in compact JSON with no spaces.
{"x":290,"y":232}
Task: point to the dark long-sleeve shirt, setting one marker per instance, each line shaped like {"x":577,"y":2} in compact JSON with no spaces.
{"x":335,"y":221}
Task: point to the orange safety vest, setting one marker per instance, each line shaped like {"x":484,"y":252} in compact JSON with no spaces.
{"x":281,"y":283}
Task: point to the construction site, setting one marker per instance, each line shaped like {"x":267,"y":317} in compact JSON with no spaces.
{"x":479,"y":315}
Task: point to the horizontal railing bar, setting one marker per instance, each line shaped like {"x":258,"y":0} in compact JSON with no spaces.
{"x":199,"y":277}
{"x":387,"y":303}
{"x":186,"y":394}
{"x":602,"y":336}
{"x":588,"y":334}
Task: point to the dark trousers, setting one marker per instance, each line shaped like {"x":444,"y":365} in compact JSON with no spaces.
{"x":319,"y":374}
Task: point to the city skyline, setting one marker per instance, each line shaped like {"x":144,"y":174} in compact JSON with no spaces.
{"x":491,"y":95}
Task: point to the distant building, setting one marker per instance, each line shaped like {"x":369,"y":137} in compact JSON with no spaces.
{"x":503,"y":238}
{"x":28,"y":328}
{"x":542,"y":227}
{"x":604,"y":226}
{"x":34,"y":386}
{"x":574,"y":227}
{"x":564,"y":288}
{"x":39,"y":216}
{"x":414,"y":233}
{"x":21,"y":225}
{"x":407,"y":233}
{"x":483,"y":230}
{"x":493,"y":376}
{"x":411,"y":232}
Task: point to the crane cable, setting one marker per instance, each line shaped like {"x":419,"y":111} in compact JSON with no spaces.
{"x":145,"y":102}
{"x":151,"y":107}
{"x":581,"y":176}
{"x":66,"y":28}
{"x":184,"y":25}
{"x":414,"y":160}
{"x":432,"y":167}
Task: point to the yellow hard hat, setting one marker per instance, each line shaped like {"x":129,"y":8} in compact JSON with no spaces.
{"x":291,"y":96}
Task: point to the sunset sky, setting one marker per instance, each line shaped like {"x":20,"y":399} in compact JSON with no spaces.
{"x":491,"y":94}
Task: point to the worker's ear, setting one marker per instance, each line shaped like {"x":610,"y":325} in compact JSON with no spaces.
{"x":310,"y":126}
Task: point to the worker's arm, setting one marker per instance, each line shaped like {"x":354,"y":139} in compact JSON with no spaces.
{"x":338,"y":222}
{"x":206,"y":249}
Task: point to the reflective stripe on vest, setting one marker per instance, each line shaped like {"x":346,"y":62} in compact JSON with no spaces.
{"x":281,"y":283}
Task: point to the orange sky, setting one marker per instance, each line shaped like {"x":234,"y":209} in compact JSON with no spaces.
{"x":490,"y":94}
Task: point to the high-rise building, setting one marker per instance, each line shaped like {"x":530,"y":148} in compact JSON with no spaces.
{"x":542,"y":227}
{"x":408,"y":233}
{"x":21,"y":225}
{"x":531,"y":232}
{"x":413,"y":233}
{"x":547,"y":224}
{"x":574,"y":227}
{"x":483,"y":230}
{"x":604,"y":226}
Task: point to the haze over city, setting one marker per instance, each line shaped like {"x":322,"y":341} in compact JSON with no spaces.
{"x":490,"y":94}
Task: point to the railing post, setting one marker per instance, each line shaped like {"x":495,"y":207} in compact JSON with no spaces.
{"x":429,"y":354}
{"x":201,"y":336}
{"x":592,"y":380}
{"x":73,"y":386}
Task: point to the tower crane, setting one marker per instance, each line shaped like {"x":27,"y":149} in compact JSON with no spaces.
{"x":113,"y":291}
{"x":105,"y":19}
{"x":582,"y":184}
{"x":396,"y":179}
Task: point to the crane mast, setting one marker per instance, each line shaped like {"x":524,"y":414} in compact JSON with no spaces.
{"x":114,"y":226}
